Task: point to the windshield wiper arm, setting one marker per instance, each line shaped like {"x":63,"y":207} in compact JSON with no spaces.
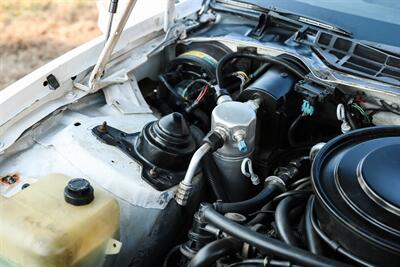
{"x":323,"y":25}
{"x":286,"y":15}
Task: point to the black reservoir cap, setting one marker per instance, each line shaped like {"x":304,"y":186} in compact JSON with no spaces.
{"x":78,"y":192}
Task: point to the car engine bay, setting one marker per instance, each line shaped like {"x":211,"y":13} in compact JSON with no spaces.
{"x":251,"y":141}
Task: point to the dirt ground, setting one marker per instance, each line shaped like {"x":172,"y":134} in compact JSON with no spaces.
{"x":33,"y":32}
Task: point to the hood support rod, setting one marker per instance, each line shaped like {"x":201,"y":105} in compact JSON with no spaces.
{"x":111,"y":42}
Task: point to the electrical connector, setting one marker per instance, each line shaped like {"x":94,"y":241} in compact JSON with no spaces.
{"x":306,"y":108}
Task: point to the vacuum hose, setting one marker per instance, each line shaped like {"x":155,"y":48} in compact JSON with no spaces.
{"x":264,"y":243}
{"x":210,"y":253}
{"x":267,"y":194}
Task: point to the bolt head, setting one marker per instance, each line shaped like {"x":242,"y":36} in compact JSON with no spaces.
{"x":153,"y":172}
{"x":103,"y":128}
{"x":284,"y":74}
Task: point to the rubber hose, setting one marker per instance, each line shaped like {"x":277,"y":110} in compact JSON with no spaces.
{"x":312,"y":238}
{"x":267,"y":194}
{"x":211,"y":252}
{"x":262,"y":215}
{"x":203,"y":118}
{"x":168,"y":86}
{"x":282,"y":220}
{"x":351,"y":121}
{"x":298,"y":211}
{"x":210,"y":170}
{"x":264,"y":243}
{"x":197,"y":134}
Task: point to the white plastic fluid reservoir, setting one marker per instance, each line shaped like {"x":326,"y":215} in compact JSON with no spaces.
{"x":38,"y":228}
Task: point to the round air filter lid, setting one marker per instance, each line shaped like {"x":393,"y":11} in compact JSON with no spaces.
{"x":382,"y":187}
{"x":356,"y":178}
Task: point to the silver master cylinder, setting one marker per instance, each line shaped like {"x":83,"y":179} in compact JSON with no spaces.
{"x":236,"y":121}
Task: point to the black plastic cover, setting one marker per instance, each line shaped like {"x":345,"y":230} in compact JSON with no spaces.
{"x":280,"y":106}
{"x":163,"y":148}
{"x":356,"y":181}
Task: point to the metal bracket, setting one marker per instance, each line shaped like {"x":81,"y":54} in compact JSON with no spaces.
{"x":175,"y":32}
{"x":262,"y":25}
{"x":113,"y":247}
{"x":126,"y":97}
{"x":169,"y":14}
{"x":105,"y":54}
{"x":158,"y":178}
{"x":247,"y":170}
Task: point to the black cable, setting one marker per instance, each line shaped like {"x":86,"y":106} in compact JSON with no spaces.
{"x":373,"y":111}
{"x":193,"y":110}
{"x":259,"y":71}
{"x":264,"y":58}
{"x":172,"y":251}
{"x":294,"y":61}
{"x":299,"y":182}
{"x":291,"y":133}
{"x":197,"y":113}
{"x":211,"y":252}
{"x":303,"y":185}
{"x":282,"y":220}
{"x":290,"y":193}
{"x":333,"y":244}
{"x":193,"y":82}
{"x":263,"y":262}
{"x":202,"y":118}
{"x":265,"y":244}
{"x":162,"y":79}
{"x":350,"y":119}
{"x":389,"y":108}
{"x":262,"y":214}
{"x":312,"y":238}
{"x":266,"y":195}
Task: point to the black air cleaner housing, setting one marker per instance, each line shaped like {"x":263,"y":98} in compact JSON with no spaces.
{"x":356,"y":178}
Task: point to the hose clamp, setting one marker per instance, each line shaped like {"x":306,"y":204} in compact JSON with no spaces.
{"x":247,"y":170}
{"x":182,"y":194}
{"x":314,"y":150}
{"x":276,"y":180}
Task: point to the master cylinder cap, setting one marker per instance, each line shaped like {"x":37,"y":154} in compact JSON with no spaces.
{"x":78,"y":192}
{"x":167,"y":143}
